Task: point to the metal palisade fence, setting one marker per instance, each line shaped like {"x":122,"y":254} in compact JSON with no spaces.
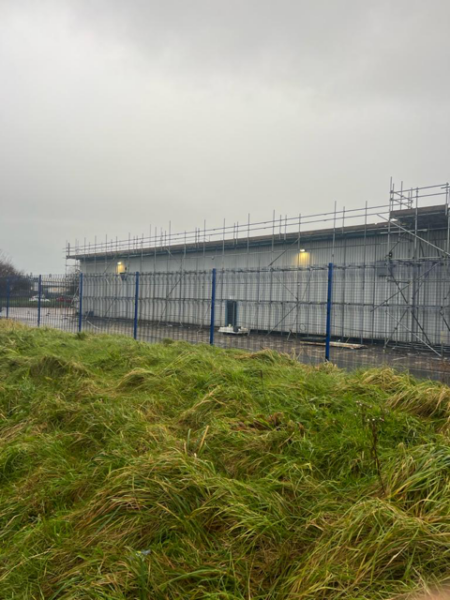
{"x":359,"y":316}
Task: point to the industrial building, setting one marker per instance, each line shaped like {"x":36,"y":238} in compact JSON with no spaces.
{"x":390,"y":280}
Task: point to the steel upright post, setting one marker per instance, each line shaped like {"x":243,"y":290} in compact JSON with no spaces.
{"x":80,"y":303}
{"x":8,"y":295}
{"x":39,"y":300}
{"x":136,"y":306}
{"x":329,"y":306}
{"x":213,"y":307}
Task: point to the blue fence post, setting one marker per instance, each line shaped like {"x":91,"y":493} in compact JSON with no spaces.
{"x":8,"y":294}
{"x":80,"y":303}
{"x":136,"y":306}
{"x":213,"y":307}
{"x":329,"y":307}
{"x":39,"y":300}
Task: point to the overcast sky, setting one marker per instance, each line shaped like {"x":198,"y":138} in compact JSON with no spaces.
{"x":118,"y":114}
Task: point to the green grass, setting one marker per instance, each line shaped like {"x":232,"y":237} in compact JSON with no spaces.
{"x":131,"y":471}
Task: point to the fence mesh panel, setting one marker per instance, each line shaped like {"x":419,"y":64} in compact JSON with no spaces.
{"x":281,"y":309}
{"x":46,"y":301}
{"x":398,"y":311}
{"x":175,"y":305}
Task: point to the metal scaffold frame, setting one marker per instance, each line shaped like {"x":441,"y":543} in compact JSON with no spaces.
{"x":409,"y":289}
{"x":278,"y":228}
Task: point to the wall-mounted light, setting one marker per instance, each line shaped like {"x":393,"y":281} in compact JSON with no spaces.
{"x":120,"y":268}
{"x":302,"y":258}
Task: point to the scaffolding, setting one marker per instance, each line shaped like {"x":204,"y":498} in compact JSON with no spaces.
{"x":407,"y":211}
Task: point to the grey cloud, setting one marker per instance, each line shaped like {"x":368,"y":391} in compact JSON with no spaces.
{"x":393,"y":47}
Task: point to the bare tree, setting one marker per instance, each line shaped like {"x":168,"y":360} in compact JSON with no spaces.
{"x":11,"y":279}
{"x":7,"y":269}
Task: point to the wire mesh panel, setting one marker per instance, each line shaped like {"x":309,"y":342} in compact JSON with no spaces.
{"x":58,"y":308}
{"x":18,"y":299}
{"x":175,"y":305}
{"x":280,"y":309}
{"x":46,"y":300}
{"x":394,"y":313}
{"x":107,"y":303}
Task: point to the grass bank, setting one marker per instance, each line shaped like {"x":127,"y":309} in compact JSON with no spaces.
{"x":134,"y":471}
